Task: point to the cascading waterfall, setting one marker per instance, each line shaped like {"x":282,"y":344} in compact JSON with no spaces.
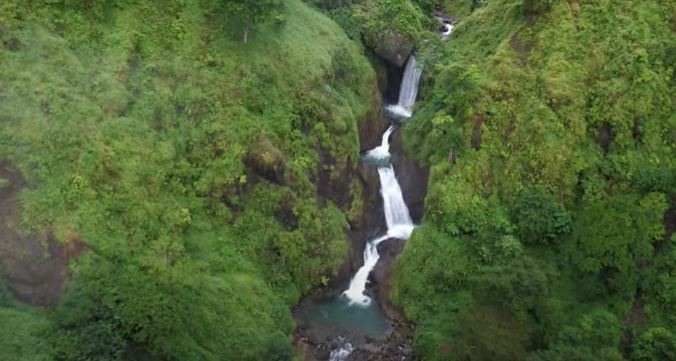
{"x":396,"y":212}
{"x":399,"y":225}
{"x":448,"y":28}
{"x":397,"y":216}
{"x":382,"y":152}
{"x":408,"y":91}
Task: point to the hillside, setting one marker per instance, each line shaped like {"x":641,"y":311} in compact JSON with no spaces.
{"x":549,"y":127}
{"x":184,"y":164}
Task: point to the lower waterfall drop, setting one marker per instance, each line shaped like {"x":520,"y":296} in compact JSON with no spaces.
{"x":397,"y":218}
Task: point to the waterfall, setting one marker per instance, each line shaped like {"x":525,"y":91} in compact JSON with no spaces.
{"x":448,"y":28}
{"x":396,"y":212}
{"x":408,"y":91}
{"x":397,"y":218}
{"x":382,"y":152}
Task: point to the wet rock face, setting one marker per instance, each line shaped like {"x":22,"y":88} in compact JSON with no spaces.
{"x":266,"y":161}
{"x":389,"y":77}
{"x":398,"y":346}
{"x":393,"y":48}
{"x":35,"y":274}
{"x":370,"y":133}
{"x":369,"y":226}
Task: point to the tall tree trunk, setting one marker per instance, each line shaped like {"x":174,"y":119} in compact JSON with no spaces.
{"x":245,"y":36}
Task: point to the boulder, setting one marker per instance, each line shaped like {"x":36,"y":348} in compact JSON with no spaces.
{"x":393,"y":48}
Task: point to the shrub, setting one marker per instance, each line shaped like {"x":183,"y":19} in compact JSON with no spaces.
{"x":539,"y":218}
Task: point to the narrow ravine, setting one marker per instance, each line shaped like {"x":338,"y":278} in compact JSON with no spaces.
{"x":397,"y":217}
{"x":342,"y":323}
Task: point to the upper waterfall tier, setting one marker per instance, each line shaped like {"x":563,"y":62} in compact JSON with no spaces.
{"x":408,"y":91}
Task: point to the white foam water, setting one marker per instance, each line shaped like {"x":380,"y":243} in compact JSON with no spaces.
{"x":399,"y":225}
{"x":408,"y":91}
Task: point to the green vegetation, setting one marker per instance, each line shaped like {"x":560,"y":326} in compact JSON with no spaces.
{"x":549,"y":128}
{"x":249,"y":13}
{"x":23,"y":330}
{"x":186,"y":161}
{"x":381,"y":22}
{"x":187,"y":146}
{"x":538,"y":217}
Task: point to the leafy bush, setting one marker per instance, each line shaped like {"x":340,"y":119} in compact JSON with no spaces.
{"x":22,"y":335}
{"x":568,"y":108}
{"x":616,"y":233}
{"x":654,"y":344}
{"x":538,"y":217}
{"x":114,"y":313}
{"x":594,"y":337}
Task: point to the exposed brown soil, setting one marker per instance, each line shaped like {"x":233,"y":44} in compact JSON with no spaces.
{"x":636,"y":319}
{"x":670,"y":221}
{"x":605,"y":137}
{"x":521,"y":48}
{"x":35,"y":268}
{"x":476,"y":131}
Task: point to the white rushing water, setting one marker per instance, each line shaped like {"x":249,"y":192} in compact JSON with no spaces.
{"x":408,"y":91}
{"x":448,"y":28}
{"x":397,"y":218}
{"x":342,"y":352}
{"x":382,"y":152}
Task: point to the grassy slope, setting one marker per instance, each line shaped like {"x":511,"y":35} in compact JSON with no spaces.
{"x":132,"y":123}
{"x":532,"y":92}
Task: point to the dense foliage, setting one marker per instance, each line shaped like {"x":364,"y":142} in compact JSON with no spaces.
{"x":549,"y":128}
{"x":249,"y":13}
{"x":380,"y":21}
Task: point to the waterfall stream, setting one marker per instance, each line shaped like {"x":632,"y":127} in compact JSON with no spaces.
{"x":397,"y":216}
{"x":408,"y":91}
{"x":399,"y":225}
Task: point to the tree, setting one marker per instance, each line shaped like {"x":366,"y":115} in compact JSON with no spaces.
{"x":594,"y":338}
{"x":489,"y":333}
{"x":654,"y":344}
{"x":616,"y":233}
{"x":249,"y":13}
{"x":538,"y":217}
{"x":520,"y":285}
